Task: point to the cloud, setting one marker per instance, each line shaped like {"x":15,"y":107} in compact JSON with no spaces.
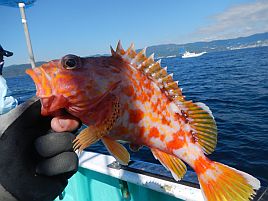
{"x":240,"y":20}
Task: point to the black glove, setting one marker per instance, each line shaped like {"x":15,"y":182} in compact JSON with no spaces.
{"x":27,"y":174}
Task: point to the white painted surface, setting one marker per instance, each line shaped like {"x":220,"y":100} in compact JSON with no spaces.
{"x":98,"y":162}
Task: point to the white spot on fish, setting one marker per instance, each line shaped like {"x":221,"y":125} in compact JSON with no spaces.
{"x":168,"y":138}
{"x":174,"y":107}
{"x":125,"y":119}
{"x":154,"y":99}
{"x":146,"y":81}
{"x":147,"y":105}
{"x":158,"y":143}
{"x":187,"y":127}
{"x":209,"y":174}
{"x":189,"y":153}
{"x":176,"y":125}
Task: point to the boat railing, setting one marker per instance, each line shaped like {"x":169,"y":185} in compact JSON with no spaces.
{"x":143,"y":174}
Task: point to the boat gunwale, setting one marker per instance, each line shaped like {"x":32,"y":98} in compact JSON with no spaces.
{"x":100,"y":163}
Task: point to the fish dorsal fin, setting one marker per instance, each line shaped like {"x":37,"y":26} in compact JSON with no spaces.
{"x":151,"y":68}
{"x":197,"y":115}
{"x":171,"y":163}
{"x":202,"y":124}
{"x":117,"y":150}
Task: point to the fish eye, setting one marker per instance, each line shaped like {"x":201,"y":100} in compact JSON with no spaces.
{"x":70,"y":61}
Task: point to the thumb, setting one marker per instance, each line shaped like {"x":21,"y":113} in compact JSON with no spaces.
{"x":65,"y":123}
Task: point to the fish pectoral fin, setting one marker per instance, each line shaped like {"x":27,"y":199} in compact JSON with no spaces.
{"x":171,"y":163}
{"x":86,"y":137}
{"x":92,"y":133}
{"x":117,"y":150}
{"x":135,"y":147}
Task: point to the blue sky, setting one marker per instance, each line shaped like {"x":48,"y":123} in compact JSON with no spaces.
{"x":87,"y":27}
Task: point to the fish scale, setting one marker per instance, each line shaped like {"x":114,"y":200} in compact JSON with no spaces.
{"x":130,"y":97}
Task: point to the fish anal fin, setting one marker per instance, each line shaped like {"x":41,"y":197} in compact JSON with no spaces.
{"x":117,"y":150}
{"x":171,"y":163}
{"x":203,"y":125}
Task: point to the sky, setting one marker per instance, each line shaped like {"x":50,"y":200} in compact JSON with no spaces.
{"x":88,"y":27}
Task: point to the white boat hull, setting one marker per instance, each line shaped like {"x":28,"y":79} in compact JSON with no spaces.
{"x":190,"y":54}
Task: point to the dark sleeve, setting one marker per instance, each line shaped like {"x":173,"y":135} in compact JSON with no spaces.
{"x":7,"y":53}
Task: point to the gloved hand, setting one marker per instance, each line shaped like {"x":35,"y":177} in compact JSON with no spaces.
{"x":35,"y":163}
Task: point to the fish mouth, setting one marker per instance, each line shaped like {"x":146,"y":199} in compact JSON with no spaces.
{"x":41,"y":80}
{"x":51,"y":104}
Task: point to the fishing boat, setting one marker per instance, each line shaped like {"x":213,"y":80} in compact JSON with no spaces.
{"x":192,"y":54}
{"x":101,"y":178}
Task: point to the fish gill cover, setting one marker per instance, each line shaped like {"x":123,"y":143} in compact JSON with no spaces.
{"x":14,"y":3}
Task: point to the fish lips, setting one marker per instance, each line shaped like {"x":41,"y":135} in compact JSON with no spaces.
{"x":53,"y":104}
{"x":35,"y":75}
{"x":50,"y":103}
{"x":41,"y":80}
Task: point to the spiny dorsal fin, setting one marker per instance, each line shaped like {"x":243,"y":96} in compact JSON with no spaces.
{"x":154,"y":67}
{"x":130,"y":53}
{"x":146,"y":63}
{"x":140,"y":57}
{"x":151,"y":68}
{"x":119,"y":49}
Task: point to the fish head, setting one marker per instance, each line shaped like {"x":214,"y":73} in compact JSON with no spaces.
{"x":74,"y":83}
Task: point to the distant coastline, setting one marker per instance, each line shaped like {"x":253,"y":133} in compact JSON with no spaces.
{"x":175,"y":50}
{"x":18,"y":70}
{"x":166,"y":50}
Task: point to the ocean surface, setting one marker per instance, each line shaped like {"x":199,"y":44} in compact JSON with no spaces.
{"x":234,"y":84}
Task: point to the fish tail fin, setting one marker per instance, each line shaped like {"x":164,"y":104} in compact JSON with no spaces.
{"x":222,"y":183}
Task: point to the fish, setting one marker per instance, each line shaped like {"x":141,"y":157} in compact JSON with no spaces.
{"x":129,"y":97}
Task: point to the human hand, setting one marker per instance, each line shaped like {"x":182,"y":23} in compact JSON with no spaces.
{"x":39,"y":174}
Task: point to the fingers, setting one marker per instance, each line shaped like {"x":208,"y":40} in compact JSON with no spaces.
{"x":62,"y":163}
{"x":57,"y":149}
{"x":54,"y":143}
{"x":64,"y":123}
{"x":58,"y":154}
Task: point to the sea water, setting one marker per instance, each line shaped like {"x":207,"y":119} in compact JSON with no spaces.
{"x":234,"y":84}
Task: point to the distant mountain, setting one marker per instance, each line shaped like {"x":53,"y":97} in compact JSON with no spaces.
{"x":18,"y":70}
{"x":256,"y":40}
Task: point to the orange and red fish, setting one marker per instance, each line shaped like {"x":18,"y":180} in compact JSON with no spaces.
{"x":130,"y":97}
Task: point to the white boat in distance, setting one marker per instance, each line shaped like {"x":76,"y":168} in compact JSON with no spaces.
{"x":192,"y":54}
